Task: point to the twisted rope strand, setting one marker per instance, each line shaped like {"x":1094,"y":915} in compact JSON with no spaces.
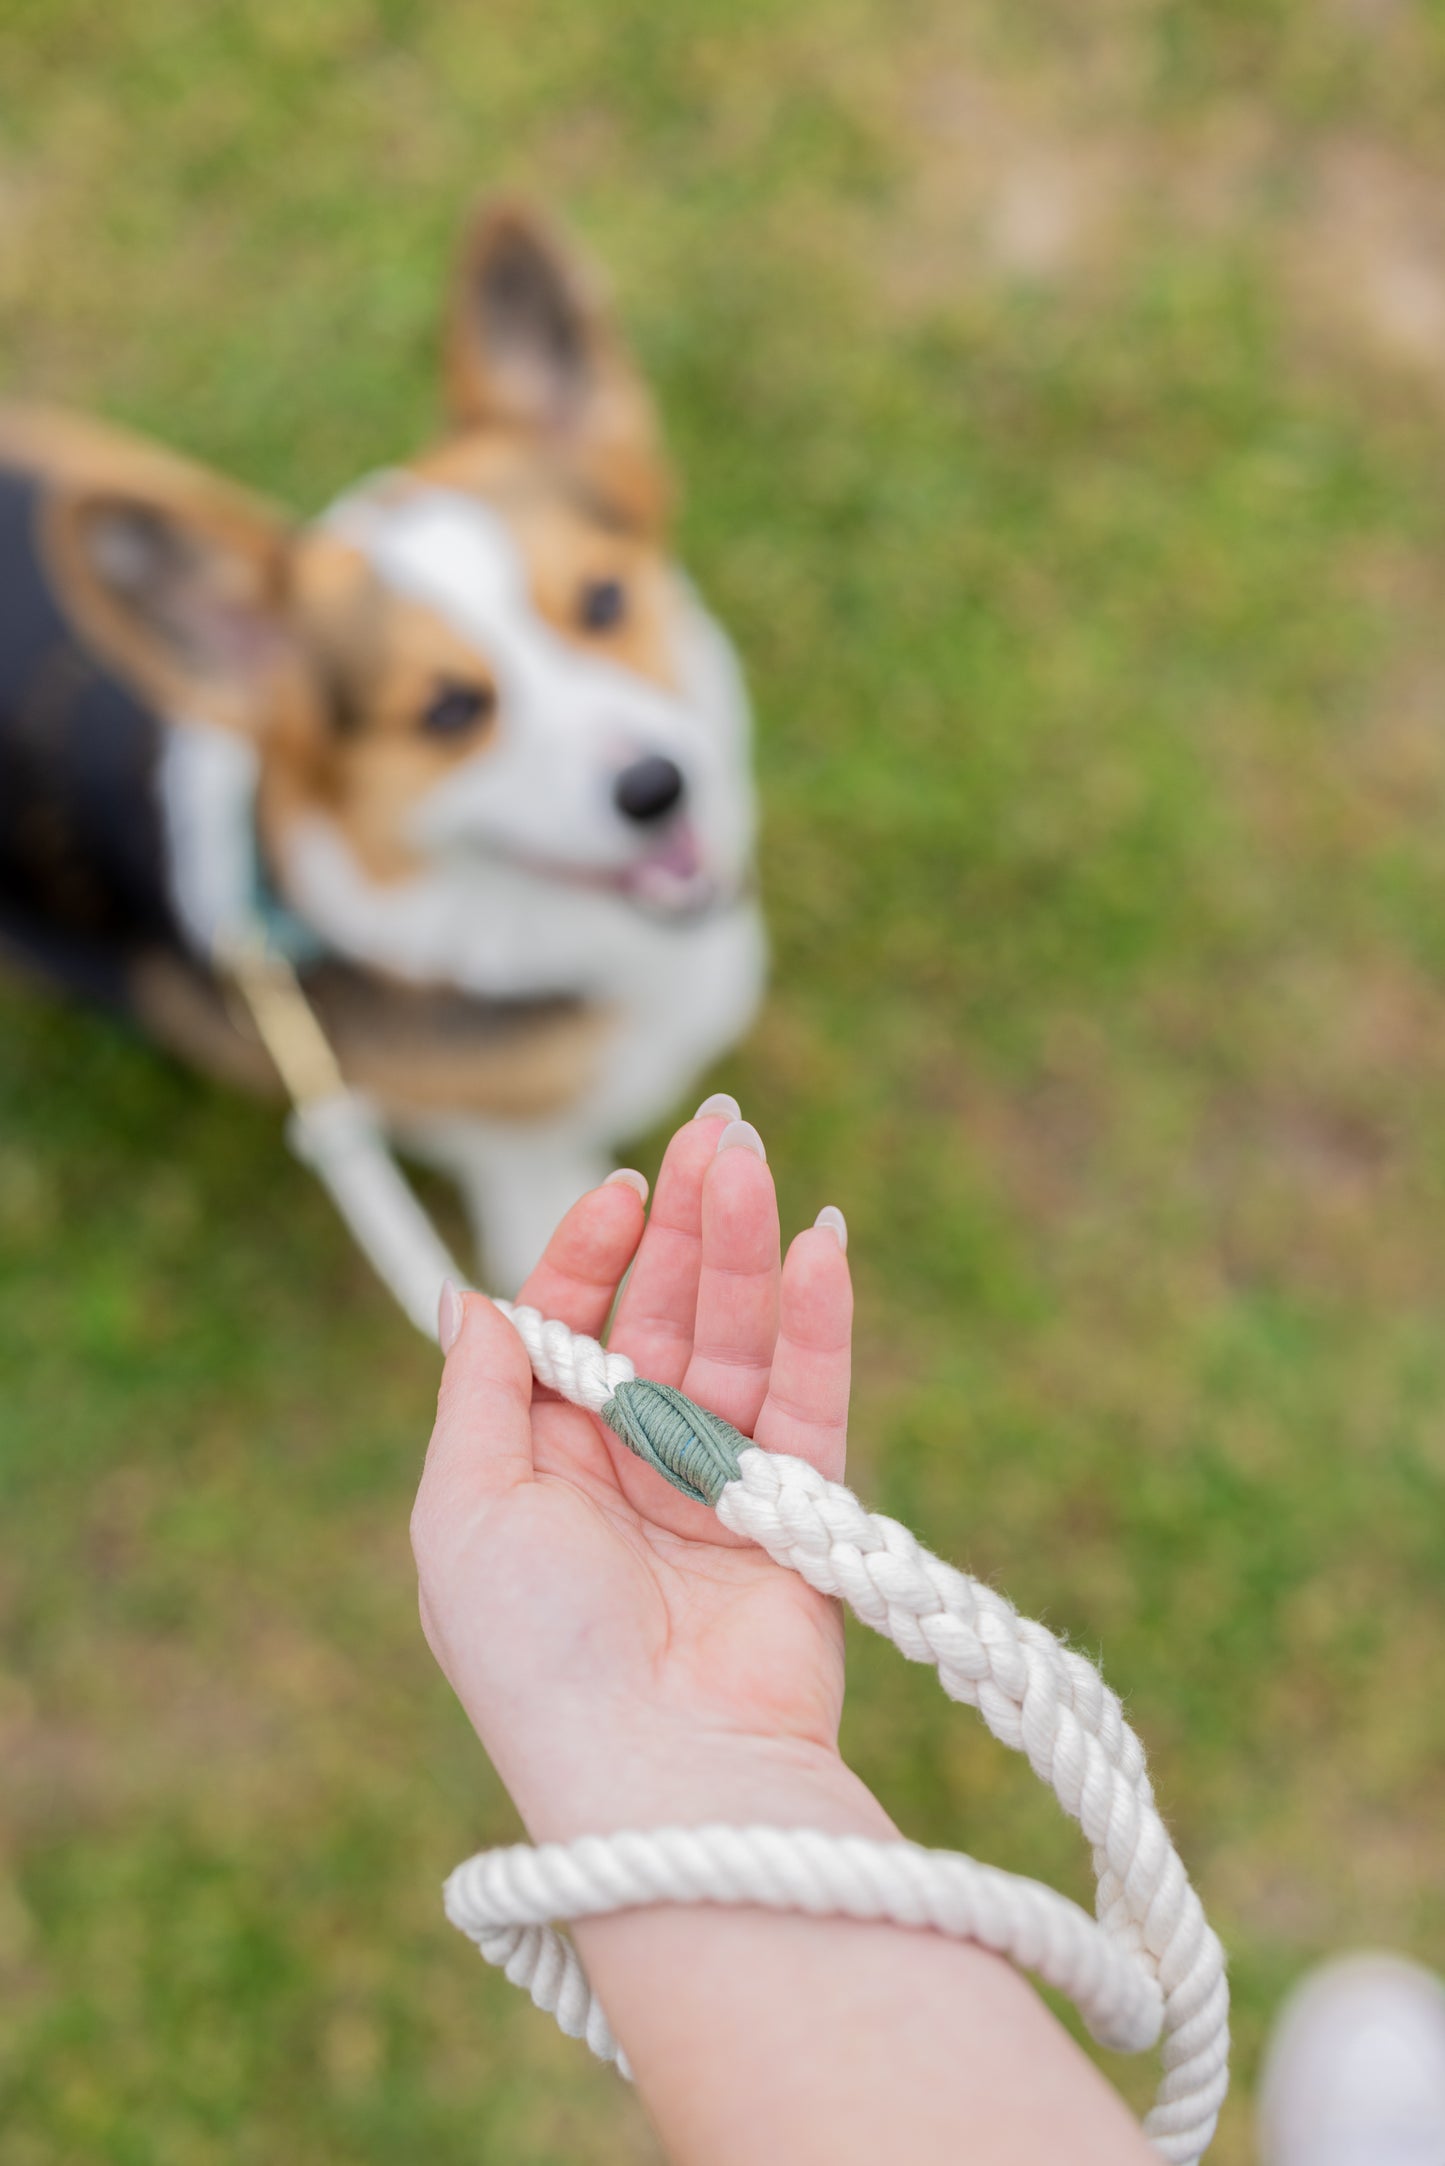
{"x":1047,"y":1702}
{"x":505,"y":1895}
{"x":568,"y":1362}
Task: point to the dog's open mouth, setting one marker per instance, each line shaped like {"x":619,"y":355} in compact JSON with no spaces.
{"x":670,"y":878}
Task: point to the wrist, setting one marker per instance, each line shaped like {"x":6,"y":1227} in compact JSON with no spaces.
{"x":692,"y":1779}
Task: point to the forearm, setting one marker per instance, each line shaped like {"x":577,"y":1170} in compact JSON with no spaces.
{"x":759,"y":2037}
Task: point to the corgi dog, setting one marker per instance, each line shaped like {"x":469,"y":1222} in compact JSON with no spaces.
{"x":468,"y":747}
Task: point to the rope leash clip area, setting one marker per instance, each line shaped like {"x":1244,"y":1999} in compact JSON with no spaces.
{"x":1146,"y":1969}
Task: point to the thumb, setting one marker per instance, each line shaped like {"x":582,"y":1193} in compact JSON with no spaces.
{"x":481,"y":1442}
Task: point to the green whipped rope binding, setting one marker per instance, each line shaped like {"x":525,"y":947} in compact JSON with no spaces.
{"x":694,"y":1450}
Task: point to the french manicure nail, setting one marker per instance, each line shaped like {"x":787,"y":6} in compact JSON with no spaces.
{"x":451,"y":1315}
{"x":742,"y":1136}
{"x":831,"y":1217}
{"x":628,"y":1177}
{"x":721,"y":1102}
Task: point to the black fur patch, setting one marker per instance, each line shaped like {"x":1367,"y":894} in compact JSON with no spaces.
{"x":82,"y":848}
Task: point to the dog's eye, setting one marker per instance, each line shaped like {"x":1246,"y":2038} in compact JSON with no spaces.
{"x":601,"y":605}
{"x":455,"y":708}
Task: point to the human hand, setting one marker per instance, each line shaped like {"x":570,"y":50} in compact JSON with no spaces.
{"x":630,"y":1664}
{"x":622,"y":1656}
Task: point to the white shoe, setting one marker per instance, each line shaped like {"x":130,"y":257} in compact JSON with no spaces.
{"x":1355,"y":2071}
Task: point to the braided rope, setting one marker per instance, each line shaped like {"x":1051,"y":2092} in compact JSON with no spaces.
{"x":1150,"y":1967}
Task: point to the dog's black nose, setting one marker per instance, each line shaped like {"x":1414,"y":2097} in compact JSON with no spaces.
{"x":648,"y":788}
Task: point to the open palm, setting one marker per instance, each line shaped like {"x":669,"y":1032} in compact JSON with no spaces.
{"x":579,"y":1604}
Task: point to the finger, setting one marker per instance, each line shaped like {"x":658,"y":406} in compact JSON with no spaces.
{"x":806,"y":1408}
{"x":737,"y":1294}
{"x":482,"y":1438}
{"x":659,"y":1302}
{"x":581,"y":1269}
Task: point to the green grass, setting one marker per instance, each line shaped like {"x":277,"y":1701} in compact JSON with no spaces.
{"x":1063,"y":445}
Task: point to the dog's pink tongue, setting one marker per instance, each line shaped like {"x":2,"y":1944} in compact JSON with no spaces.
{"x":680,"y":857}
{"x":668,"y":873}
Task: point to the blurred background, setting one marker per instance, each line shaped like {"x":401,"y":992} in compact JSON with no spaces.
{"x":1060,"y":396}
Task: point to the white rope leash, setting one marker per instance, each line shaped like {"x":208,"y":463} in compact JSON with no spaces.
{"x":1150,"y":1968}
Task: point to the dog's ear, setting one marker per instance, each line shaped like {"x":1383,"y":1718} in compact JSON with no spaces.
{"x":532,"y":347}
{"x":182,"y":583}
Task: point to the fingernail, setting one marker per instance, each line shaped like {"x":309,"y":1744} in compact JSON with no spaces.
{"x":831,"y":1217}
{"x":628,"y":1177}
{"x":742,"y":1136}
{"x":451,"y":1315}
{"x":719,"y":1103}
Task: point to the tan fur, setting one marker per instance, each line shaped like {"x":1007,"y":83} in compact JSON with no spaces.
{"x":90,"y":466}
{"x":600,"y":411}
{"x":569,"y":530}
{"x":384,"y":657}
{"x":412,"y":1052}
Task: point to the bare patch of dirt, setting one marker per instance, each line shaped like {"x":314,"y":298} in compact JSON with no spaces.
{"x":1000,"y":182}
{"x":1364,"y":253}
{"x":1049,"y":181}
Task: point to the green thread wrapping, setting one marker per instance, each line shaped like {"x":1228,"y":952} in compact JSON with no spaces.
{"x":694,"y":1450}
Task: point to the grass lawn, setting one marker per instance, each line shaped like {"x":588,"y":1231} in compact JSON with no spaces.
{"x":1061,"y":398}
